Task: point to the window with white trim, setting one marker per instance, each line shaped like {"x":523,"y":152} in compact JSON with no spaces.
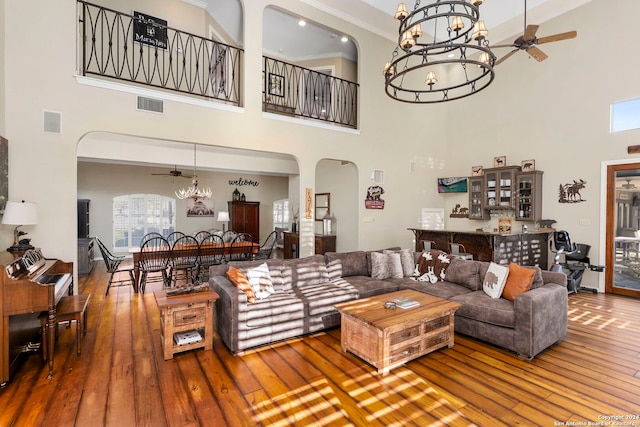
{"x":135,"y":215}
{"x":281,"y":213}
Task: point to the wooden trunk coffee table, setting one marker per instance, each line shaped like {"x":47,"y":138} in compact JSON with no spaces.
{"x":387,"y":338}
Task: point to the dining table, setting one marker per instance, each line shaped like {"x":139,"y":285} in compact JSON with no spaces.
{"x":225,"y":249}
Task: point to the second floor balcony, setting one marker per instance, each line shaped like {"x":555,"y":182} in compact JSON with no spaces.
{"x":143,"y":50}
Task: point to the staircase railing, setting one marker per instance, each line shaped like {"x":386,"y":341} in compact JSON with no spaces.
{"x":141,"y":49}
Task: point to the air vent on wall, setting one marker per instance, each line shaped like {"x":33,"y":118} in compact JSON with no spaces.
{"x":378,"y":176}
{"x":52,"y":122}
{"x":150,"y":104}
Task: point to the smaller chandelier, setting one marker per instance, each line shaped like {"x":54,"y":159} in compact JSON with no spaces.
{"x":194,"y":193}
{"x":437,"y":45}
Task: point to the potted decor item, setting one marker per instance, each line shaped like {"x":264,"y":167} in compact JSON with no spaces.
{"x":235,"y":195}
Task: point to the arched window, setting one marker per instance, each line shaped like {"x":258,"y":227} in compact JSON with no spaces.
{"x":135,"y":215}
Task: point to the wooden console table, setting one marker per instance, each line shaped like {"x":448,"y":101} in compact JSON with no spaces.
{"x":189,"y":312}
{"x":323,"y":243}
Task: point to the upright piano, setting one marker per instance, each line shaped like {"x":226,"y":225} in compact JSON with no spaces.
{"x":29,"y":285}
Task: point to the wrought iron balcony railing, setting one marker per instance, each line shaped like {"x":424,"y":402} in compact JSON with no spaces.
{"x":142,"y":49}
{"x":292,"y":90}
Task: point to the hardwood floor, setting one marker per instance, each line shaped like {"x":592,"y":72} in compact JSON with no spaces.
{"x":122,"y":380}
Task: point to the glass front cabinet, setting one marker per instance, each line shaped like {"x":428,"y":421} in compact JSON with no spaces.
{"x":476,"y":194}
{"x":499,"y":184}
{"x":529,"y":196}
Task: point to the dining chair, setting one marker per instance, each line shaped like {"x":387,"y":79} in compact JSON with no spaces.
{"x":184,"y":260}
{"x":228,"y":236}
{"x":115,"y":266}
{"x":241,"y":247}
{"x":265,"y":250}
{"x":173,"y":237}
{"x":211,"y":253}
{"x":149,"y":236}
{"x":201,"y":235}
{"x":155,"y":255}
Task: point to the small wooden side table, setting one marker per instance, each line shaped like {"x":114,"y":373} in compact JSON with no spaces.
{"x":182,"y":313}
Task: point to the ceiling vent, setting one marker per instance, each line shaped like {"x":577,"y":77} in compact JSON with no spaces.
{"x":150,"y":104}
{"x":51,"y":122}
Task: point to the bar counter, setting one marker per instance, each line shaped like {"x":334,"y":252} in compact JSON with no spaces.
{"x":531,"y":248}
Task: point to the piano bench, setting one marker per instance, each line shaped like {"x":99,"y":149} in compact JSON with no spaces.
{"x":70,"y":308}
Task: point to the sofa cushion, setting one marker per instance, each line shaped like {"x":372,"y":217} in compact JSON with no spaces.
{"x":519,"y":281}
{"x":433,"y":266}
{"x":368,"y":256}
{"x":406,"y":259}
{"x":260,"y":281}
{"x":386,"y":265}
{"x":346,"y":264}
{"x":479,"y":306}
{"x":320,"y":298}
{"x":240,"y":281}
{"x":538,"y":281}
{"x":444,"y":290}
{"x":368,"y":287}
{"x":495,"y":279}
{"x":465,"y":273}
{"x":279,"y":308}
{"x":308,"y":270}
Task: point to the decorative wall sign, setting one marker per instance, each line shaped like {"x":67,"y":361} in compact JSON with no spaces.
{"x":504,"y":225}
{"x":499,"y":162}
{"x":459,"y":212}
{"x":308,"y":202}
{"x":570,"y":193}
{"x":477,"y":170}
{"x":373,"y":200}
{"x":452,"y":185}
{"x":528,"y":165}
{"x":199,"y":208}
{"x":149,"y":30}
{"x":240,"y":182}
{"x":276,"y":85}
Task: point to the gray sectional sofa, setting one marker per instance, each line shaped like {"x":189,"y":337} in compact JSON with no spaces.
{"x":306,"y":290}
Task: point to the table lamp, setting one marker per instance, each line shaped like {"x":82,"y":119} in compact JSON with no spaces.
{"x":19,"y":214}
{"x":223,"y":217}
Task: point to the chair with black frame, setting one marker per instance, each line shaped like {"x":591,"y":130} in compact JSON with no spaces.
{"x":155,"y":255}
{"x":149,"y":236}
{"x":184,"y":260}
{"x":201,"y":235}
{"x":228,"y":236}
{"x":173,"y":237}
{"x":241,"y":248}
{"x":265,"y":250}
{"x":211,"y":253}
{"x":576,"y":261}
{"x":115,"y":266}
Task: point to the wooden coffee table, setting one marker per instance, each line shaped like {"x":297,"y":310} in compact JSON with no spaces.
{"x":388,"y":338}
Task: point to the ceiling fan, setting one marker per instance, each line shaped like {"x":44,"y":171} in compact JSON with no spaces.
{"x":628,"y":185}
{"x":174,"y":173}
{"x":528,"y":41}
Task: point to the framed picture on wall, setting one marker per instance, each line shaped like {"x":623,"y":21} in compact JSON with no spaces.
{"x":499,"y":162}
{"x":199,"y":208}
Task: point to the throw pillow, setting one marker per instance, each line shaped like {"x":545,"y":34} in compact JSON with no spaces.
{"x":432,"y":266}
{"x":260,"y":281}
{"x":406,"y":259}
{"x":519,"y":281}
{"x":495,"y":279}
{"x":386,"y":266}
{"x":240,"y":281}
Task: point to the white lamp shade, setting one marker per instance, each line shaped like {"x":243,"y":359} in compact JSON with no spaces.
{"x":223,"y":217}
{"x":20,"y":213}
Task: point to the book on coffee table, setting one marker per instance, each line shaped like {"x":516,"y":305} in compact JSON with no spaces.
{"x":404,"y":302}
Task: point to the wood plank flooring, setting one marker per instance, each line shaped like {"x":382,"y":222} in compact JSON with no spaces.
{"x":122,"y":380}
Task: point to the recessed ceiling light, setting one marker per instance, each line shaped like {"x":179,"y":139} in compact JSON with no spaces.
{"x":302,"y":22}
{"x":344,"y":39}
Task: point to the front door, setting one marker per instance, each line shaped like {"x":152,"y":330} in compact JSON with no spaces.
{"x":622,"y":275}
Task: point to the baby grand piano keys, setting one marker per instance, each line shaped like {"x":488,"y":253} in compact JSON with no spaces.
{"x":29,"y":285}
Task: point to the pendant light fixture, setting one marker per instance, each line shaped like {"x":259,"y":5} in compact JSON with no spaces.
{"x":194,"y":193}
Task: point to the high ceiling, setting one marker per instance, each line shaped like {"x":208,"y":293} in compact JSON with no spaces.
{"x":283,"y":36}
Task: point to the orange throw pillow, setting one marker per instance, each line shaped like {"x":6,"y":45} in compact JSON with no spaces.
{"x":519,"y":281}
{"x":240,"y":281}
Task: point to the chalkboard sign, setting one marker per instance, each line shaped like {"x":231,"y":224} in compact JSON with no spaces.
{"x":149,"y":30}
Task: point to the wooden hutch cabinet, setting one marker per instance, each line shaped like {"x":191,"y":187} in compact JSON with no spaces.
{"x":506,"y":188}
{"x":245,"y":218}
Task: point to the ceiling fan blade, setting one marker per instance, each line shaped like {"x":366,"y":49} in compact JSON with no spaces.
{"x":557,"y":37}
{"x":503,"y":45}
{"x":537,"y":54}
{"x":530,"y":32}
{"x":504,"y":58}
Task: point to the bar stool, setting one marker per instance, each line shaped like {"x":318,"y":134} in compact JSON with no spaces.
{"x":458,"y":250}
{"x":429,"y":245}
{"x":70,"y":308}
